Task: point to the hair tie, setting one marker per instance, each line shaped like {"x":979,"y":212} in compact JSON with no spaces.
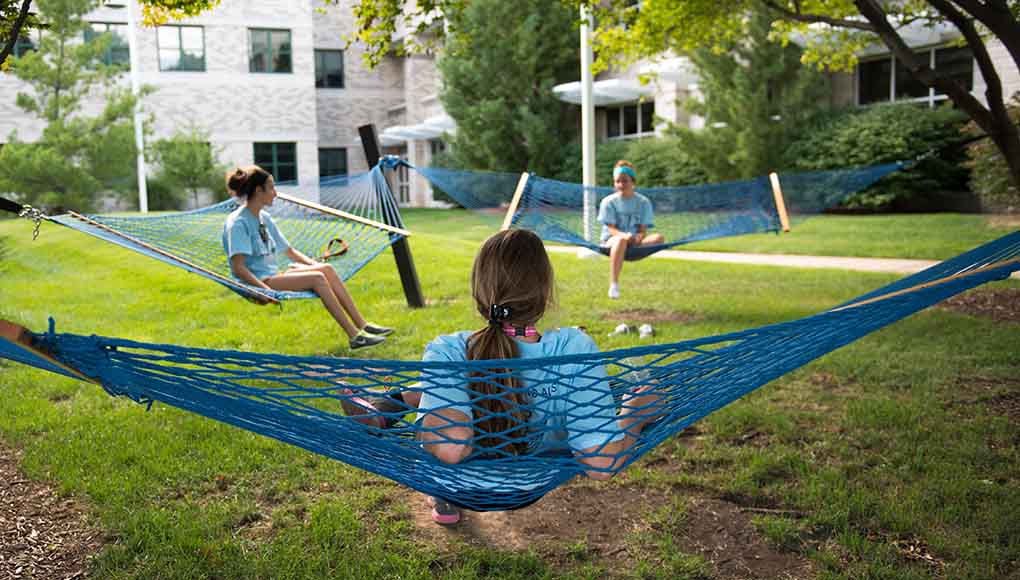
{"x":624,"y":169}
{"x":499,"y":313}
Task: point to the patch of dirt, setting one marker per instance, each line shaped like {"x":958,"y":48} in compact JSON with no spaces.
{"x":1004,"y":220}
{"x":1005,"y":401}
{"x":1000,"y":304}
{"x":606,"y":518}
{"x":42,"y":535}
{"x":651,"y":315}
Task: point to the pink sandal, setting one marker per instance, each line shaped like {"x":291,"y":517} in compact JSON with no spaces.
{"x":443,"y":512}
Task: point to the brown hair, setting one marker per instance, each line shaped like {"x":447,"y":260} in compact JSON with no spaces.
{"x":242,"y":182}
{"x":512,"y":270}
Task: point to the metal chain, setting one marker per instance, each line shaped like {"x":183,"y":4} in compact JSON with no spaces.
{"x":35,"y":215}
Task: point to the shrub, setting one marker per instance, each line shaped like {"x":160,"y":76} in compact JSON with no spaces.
{"x":884,"y":134}
{"x":989,"y":175}
{"x":660,"y":162}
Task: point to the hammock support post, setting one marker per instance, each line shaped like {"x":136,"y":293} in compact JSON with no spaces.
{"x":401,"y":249}
{"x":509,"y":219}
{"x":777,"y":193}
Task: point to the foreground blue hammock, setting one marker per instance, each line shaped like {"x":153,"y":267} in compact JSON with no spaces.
{"x":555,"y":209}
{"x":359,"y":210}
{"x":298,"y":399}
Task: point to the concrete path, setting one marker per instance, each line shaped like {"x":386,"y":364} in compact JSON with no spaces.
{"x":895,"y":266}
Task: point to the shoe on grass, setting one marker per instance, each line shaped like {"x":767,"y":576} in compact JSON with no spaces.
{"x":444,"y":513}
{"x":364,"y":339}
{"x":376,"y":329}
{"x":614,"y":291}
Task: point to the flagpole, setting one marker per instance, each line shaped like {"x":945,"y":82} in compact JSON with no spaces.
{"x":143,"y":193}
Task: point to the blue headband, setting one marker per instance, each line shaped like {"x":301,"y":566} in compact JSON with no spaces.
{"x":624,"y":169}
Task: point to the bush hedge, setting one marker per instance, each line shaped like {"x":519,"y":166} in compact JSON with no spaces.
{"x":884,"y":134}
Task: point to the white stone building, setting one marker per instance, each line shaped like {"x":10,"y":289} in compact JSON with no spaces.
{"x":271,"y":83}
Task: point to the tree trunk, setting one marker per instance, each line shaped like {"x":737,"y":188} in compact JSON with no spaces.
{"x":15,"y":31}
{"x":993,"y":119}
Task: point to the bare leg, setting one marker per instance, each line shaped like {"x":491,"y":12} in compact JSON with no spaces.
{"x":299,"y":281}
{"x":617,"y":251}
{"x":338,"y":287}
{"x":652,"y":239}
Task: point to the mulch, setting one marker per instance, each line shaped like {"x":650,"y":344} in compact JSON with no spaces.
{"x":999,"y":304}
{"x":42,"y":534}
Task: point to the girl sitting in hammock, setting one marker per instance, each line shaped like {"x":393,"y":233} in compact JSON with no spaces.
{"x":512,"y":284}
{"x":251,"y":241}
{"x":626,"y":216}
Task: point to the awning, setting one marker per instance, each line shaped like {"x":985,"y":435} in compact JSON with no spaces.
{"x":431,"y":128}
{"x":604,"y":92}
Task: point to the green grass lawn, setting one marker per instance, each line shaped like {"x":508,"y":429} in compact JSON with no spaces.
{"x":915,"y":236}
{"x":892,"y":447}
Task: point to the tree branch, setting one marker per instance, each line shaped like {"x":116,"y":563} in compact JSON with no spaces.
{"x":995,"y":16}
{"x":15,"y":31}
{"x":959,"y":94}
{"x":813,"y":18}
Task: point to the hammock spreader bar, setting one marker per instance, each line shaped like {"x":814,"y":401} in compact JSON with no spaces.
{"x":305,"y":400}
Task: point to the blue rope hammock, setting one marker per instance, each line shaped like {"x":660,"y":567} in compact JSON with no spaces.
{"x":554,"y":209}
{"x":299,"y":399}
{"x":357,"y":219}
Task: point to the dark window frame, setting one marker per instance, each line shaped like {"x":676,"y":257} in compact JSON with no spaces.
{"x":895,"y":69}
{"x":180,"y":48}
{"x":271,"y":67}
{"x":345,"y":164}
{"x":322,"y":77}
{"x":273,"y":164}
{"x":617,"y":117}
{"x":107,"y":57}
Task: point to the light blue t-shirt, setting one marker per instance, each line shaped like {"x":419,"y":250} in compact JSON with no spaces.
{"x":625,"y":214}
{"x":241,"y":236}
{"x":576,"y":412}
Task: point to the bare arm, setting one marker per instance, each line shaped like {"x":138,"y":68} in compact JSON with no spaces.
{"x":447,"y":435}
{"x":637,"y":411}
{"x":296,"y":256}
{"x":244,"y":274}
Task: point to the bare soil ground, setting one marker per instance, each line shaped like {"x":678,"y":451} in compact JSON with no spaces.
{"x":609,"y":522}
{"x":999,"y":304}
{"x":42,"y":535}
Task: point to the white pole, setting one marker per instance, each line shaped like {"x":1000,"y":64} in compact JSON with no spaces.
{"x":587,"y":122}
{"x":143,"y":193}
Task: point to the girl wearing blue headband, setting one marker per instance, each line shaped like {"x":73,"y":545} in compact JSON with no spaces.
{"x":626,"y":217}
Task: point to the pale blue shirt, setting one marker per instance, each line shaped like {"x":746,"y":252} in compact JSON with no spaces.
{"x":241,"y":236}
{"x":625,"y":214}
{"x":576,"y":411}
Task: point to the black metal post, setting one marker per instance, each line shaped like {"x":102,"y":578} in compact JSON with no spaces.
{"x":401,"y":249}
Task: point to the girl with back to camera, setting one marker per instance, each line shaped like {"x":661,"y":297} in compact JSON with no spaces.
{"x":251,"y":241}
{"x":512,"y":285}
{"x":626,"y":216}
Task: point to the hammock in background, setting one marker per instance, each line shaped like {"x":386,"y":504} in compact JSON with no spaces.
{"x":555,"y":209}
{"x":360,"y":210}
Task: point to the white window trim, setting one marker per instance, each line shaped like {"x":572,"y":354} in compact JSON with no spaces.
{"x":641,"y":132}
{"x":932,"y":99}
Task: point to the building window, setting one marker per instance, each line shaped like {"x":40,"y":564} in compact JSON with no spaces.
{"x":630,"y":120}
{"x":332,"y":162}
{"x":329,"y":69}
{"x":885,"y":79}
{"x":181,"y":48}
{"x":117,"y":51}
{"x":270,"y":50}
{"x":280,"y":159}
{"x":27,"y":43}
